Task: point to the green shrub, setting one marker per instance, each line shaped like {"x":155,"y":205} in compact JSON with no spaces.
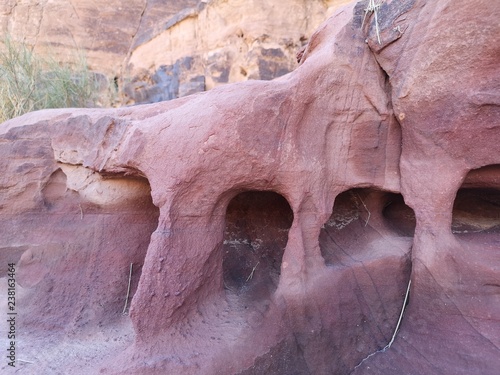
{"x":29,"y":82}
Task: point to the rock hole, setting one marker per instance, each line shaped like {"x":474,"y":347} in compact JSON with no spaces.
{"x":366,"y":244}
{"x":476,"y":210}
{"x":477,"y":204}
{"x":142,"y":216}
{"x":92,"y":225}
{"x":255,"y":237}
{"x":365,"y":222}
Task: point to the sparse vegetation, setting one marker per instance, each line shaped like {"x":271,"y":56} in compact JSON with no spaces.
{"x":29,"y":82}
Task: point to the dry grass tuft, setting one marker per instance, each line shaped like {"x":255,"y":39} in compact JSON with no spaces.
{"x":29,"y":82}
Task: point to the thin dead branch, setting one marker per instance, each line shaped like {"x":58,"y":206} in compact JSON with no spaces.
{"x":128,"y":288}
{"x":251,"y":273}
{"x":373,"y":8}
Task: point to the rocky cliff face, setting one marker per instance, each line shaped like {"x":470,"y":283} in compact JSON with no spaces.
{"x":273,"y":227}
{"x":159,"y":50}
{"x":102,"y":30}
{"x":221,"y":42}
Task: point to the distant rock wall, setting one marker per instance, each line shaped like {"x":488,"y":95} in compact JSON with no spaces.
{"x":157,"y":50}
{"x":102,"y":30}
{"x":226,"y":41}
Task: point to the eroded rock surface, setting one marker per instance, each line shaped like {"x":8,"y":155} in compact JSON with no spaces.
{"x":155,"y":50}
{"x":219,"y":42}
{"x":274,"y":226}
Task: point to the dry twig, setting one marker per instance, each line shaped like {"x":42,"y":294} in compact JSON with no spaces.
{"x":367,"y":210}
{"x":128,"y":288}
{"x":373,"y":8}
{"x":400,"y":316}
{"x":251,"y":274}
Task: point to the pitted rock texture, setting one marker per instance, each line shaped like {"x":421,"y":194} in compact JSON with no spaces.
{"x":274,"y":226}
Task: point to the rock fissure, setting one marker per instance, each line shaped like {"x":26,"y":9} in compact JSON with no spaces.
{"x":133,"y":36}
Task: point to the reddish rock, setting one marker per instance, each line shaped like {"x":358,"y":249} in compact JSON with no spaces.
{"x":442,"y":59}
{"x":273,"y":226}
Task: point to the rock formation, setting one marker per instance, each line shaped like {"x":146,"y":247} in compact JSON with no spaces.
{"x":157,"y":50}
{"x":220,"y":42}
{"x":273,"y":227}
{"x":105,"y":31}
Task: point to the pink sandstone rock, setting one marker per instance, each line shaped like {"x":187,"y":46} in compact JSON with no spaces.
{"x":273,"y":227}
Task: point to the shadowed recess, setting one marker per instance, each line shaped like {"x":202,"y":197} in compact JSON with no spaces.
{"x":88,"y":225}
{"x":477,"y":204}
{"x":255,"y":237}
{"x":365,"y":222}
{"x":398,"y":216}
{"x":476,"y":210}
